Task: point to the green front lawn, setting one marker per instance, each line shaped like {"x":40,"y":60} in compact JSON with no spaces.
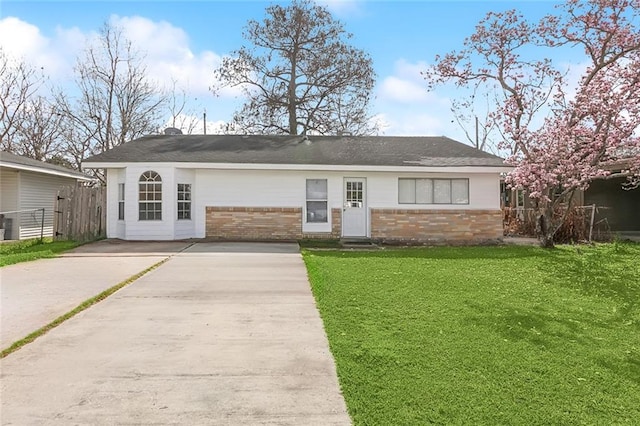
{"x":22,"y":251}
{"x":484,"y":335}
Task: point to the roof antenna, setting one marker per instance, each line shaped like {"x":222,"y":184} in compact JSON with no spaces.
{"x":204,"y":120}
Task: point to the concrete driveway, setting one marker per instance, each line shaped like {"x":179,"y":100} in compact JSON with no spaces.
{"x":219,"y":334}
{"x":33,"y":294}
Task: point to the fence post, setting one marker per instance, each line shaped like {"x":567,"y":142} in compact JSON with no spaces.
{"x":42,"y":227}
{"x":593,"y":216}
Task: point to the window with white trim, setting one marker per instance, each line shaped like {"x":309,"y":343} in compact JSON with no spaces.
{"x":433,"y":191}
{"x":150,"y":196}
{"x":317,"y":201}
{"x":184,"y":201}
{"x":121,"y":201}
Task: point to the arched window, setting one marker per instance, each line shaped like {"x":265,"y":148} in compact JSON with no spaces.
{"x":150,"y":196}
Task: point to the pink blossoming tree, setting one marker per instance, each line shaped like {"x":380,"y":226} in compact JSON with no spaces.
{"x":559,"y":136}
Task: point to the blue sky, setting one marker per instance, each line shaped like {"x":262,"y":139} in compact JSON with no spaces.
{"x":185,"y":40}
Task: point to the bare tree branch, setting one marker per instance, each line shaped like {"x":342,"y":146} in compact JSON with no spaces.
{"x":298,"y":75}
{"x":19,"y":83}
{"x":116,"y":102}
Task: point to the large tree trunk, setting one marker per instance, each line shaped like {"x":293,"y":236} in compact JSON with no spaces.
{"x":548,"y":221}
{"x":291,"y":94}
{"x":545,"y":230}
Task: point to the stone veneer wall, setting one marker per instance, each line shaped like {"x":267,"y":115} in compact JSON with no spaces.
{"x":254,"y":223}
{"x":424,"y":226}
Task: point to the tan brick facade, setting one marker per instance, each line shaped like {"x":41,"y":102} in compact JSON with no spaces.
{"x":387,"y":225}
{"x":336,"y":223}
{"x":425,"y":226}
{"x":254,"y":223}
{"x":336,"y":227}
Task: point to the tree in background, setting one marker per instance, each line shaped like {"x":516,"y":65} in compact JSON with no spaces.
{"x":473,"y":115}
{"x":19,"y":84}
{"x":181,"y":116}
{"x":38,"y":132}
{"x":299,"y":75}
{"x":29,"y":122}
{"x":112,"y":102}
{"x":558,"y":138}
{"x":115,"y":102}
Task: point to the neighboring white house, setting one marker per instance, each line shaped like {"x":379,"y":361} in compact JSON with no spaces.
{"x":231,"y":187}
{"x":25,"y":186}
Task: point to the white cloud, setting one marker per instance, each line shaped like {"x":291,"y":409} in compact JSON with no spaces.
{"x":400,"y":90}
{"x":406,"y":85}
{"x":410,"y":70}
{"x":167,"y":51}
{"x":409,"y":108}
{"x":343,"y":8}
{"x":168,"y":54}
{"x":405,"y":106}
{"x":160,"y":40}
{"x":411,"y":124}
{"x":22,"y":40}
{"x":19,"y":38}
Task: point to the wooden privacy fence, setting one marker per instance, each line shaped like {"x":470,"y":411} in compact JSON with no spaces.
{"x":80,"y":213}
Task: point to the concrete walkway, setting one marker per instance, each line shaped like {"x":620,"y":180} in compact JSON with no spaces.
{"x":219,"y":334}
{"x":32,"y":294}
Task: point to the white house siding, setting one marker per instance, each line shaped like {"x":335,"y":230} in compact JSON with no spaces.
{"x":382,"y":190}
{"x":258,"y":188}
{"x":185,"y":228}
{"x":131,"y":228}
{"x":243,"y":188}
{"x":266,"y":189}
{"x":136,"y":229}
{"x":38,"y":191}
{"x":115,"y":228}
{"x":8,"y":190}
{"x":484,"y":191}
{"x":9,"y":197}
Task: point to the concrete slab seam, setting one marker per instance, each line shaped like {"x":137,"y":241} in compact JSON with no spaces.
{"x":81,"y":307}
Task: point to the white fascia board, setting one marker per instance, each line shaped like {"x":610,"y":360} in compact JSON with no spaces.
{"x":310,"y":167}
{"x":44,"y":171}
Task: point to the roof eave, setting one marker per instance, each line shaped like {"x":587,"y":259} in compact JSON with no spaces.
{"x":45,"y":171}
{"x":304,"y":167}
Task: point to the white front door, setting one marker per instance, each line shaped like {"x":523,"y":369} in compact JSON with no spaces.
{"x":354,"y":208}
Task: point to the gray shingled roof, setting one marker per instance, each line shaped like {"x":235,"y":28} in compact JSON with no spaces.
{"x":316,"y":150}
{"x":8,"y":159}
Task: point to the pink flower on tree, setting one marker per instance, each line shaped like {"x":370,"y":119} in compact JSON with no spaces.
{"x":558,"y":140}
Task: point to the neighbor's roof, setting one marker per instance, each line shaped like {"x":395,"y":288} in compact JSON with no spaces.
{"x":19,"y":162}
{"x":298,"y":150}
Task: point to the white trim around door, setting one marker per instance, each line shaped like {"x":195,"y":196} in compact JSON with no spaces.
{"x":354,"y":208}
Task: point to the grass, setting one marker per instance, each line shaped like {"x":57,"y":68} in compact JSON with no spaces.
{"x":81,"y":307}
{"x":27,"y":250}
{"x":484,"y":335}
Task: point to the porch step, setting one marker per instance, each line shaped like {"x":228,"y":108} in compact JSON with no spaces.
{"x":357,"y":243}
